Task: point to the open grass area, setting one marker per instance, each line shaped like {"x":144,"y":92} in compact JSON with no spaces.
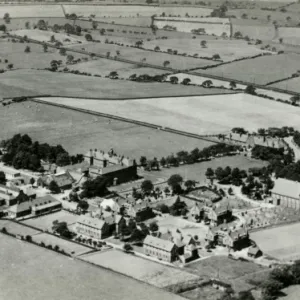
{"x":70,"y":85}
{"x":139,"y":268}
{"x":34,"y":267}
{"x":261,"y":70}
{"x":78,"y":132}
{"x":151,"y":57}
{"x":286,"y":248}
{"x":16,"y":228}
{"x":289,"y":85}
{"x":199,"y":115}
{"x":46,"y":222}
{"x":227,"y":49}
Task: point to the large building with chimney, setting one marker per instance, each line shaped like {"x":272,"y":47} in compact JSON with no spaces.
{"x":117,"y":168}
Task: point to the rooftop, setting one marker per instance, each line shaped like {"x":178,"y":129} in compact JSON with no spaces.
{"x":159,"y":243}
{"x":287,"y":188}
{"x":92,"y":222}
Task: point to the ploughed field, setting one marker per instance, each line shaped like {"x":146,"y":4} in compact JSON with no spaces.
{"x":32,"y":267}
{"x":211,"y":114}
{"x":79,"y":132}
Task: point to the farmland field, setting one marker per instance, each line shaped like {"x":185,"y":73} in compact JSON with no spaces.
{"x":260,"y":70}
{"x":46,"y":222}
{"x":227,"y":49}
{"x":151,"y":57}
{"x":32,"y":266}
{"x":285,"y":248}
{"x":290,"y":35}
{"x":70,"y":85}
{"x":135,"y":21}
{"x":139,"y":268}
{"x":289,"y":85}
{"x":199,"y":115}
{"x":78,"y":132}
{"x":133,"y":10}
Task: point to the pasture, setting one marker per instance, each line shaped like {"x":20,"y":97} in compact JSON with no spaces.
{"x":46,"y":222}
{"x":289,"y":85}
{"x":151,"y":57}
{"x":78,"y":132}
{"x":261,"y":70}
{"x":227,"y":49}
{"x":70,"y":85}
{"x":285,"y":248}
{"x":33,"y":266}
{"x":198,"y":114}
{"x":289,"y":35}
{"x":139,"y":268}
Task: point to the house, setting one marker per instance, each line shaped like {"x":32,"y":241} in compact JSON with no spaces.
{"x":34,"y":207}
{"x":63,"y":179}
{"x":93,"y":227}
{"x":140,"y":211}
{"x":9,"y":194}
{"x":218,"y":215}
{"x":254,"y":252}
{"x":110,"y":204}
{"x":196,"y":212}
{"x":161,"y":249}
{"x":286,"y":193}
{"x":118,"y":169}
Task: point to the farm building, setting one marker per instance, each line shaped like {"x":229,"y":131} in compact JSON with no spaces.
{"x":34,"y":207}
{"x":94,"y":227}
{"x":286,"y":193}
{"x":63,"y":179}
{"x":162,"y":249}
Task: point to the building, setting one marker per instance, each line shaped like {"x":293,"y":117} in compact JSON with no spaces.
{"x":161,"y":249}
{"x":63,"y":179}
{"x":118,"y":169}
{"x":8,"y":194}
{"x":93,"y":228}
{"x":286,"y":193}
{"x":34,"y":207}
{"x":254,"y":252}
{"x":218,"y":215}
{"x":140,"y":211}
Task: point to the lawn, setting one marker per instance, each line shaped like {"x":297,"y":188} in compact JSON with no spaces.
{"x":227,"y":49}
{"x":46,"y":222}
{"x":55,"y":276}
{"x":78,"y":132}
{"x":139,"y":268}
{"x":70,"y":85}
{"x":151,"y":57}
{"x":16,"y":228}
{"x":289,"y":85}
{"x":198,"y":114}
{"x":37,"y":58}
{"x":261,"y":70}
{"x":286,"y":248}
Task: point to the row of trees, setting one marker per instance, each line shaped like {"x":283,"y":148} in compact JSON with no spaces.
{"x":23,"y":153}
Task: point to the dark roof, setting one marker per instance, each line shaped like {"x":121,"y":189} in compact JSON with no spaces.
{"x":253,"y":250}
{"x":63,"y":179}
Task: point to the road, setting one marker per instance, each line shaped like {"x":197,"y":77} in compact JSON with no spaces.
{"x":295,"y":148}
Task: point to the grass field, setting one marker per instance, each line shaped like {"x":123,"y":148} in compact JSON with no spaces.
{"x":227,"y":49}
{"x":200,"y":115}
{"x":291,"y":293}
{"x":290,"y":35}
{"x":46,"y":222}
{"x":151,"y":57}
{"x":139,"y":268}
{"x":286,"y":248}
{"x":33,"y":268}
{"x":204,"y":293}
{"x":135,"y":21}
{"x":70,"y":85}
{"x":16,"y":228}
{"x":78,"y":132}
{"x":289,"y":85}
{"x":261,"y":70}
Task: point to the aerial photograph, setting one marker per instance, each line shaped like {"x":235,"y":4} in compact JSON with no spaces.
{"x":150,"y":149}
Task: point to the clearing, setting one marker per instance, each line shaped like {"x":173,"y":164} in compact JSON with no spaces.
{"x":260,"y":70}
{"x":286,"y":248}
{"x":70,"y":85}
{"x":199,"y":114}
{"x":33,"y":266}
{"x":139,"y":268}
{"x":78,"y":132}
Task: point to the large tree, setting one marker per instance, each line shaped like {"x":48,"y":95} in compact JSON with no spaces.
{"x":147,"y":186}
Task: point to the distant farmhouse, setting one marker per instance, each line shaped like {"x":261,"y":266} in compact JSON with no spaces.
{"x":256,"y":140}
{"x":118,"y":169}
{"x":286,"y":193}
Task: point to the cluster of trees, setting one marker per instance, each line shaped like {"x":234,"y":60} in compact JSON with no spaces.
{"x":148,"y":78}
{"x":219,"y":12}
{"x":94,"y":187}
{"x":178,"y":208}
{"x":23,"y":153}
{"x":282,"y":132}
{"x":296,"y":138}
{"x":2,"y":178}
{"x":62,"y":229}
{"x":227,"y":175}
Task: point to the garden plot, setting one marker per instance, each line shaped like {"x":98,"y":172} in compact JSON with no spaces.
{"x":209,"y":28}
{"x":139,"y":268}
{"x":287,"y":247}
{"x":45,"y":36}
{"x":260,"y":70}
{"x":46,"y":222}
{"x":151,"y":57}
{"x":133,"y":10}
{"x":27,"y":11}
{"x":198,"y":114}
{"x":227,"y":49}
